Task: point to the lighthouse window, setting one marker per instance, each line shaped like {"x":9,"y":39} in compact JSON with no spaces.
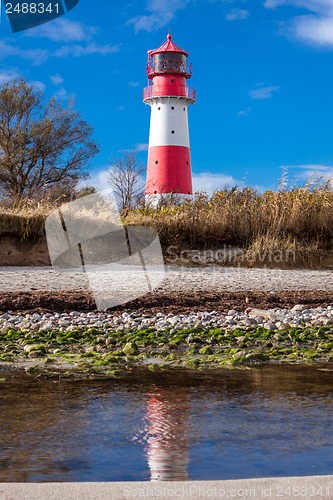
{"x":155,"y":192}
{"x":172,"y":81}
{"x":156,"y":162}
{"x":172,"y":107}
{"x":172,"y":62}
{"x":159,"y":108}
{"x":183,"y":109}
{"x":172,"y":131}
{"x":187,"y":163}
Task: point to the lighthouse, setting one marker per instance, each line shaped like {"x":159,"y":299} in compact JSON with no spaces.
{"x":169,"y":163}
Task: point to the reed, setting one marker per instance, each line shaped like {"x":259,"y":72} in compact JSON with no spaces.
{"x":298,"y":220}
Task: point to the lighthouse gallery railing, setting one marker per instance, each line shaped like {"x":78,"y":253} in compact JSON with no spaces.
{"x":149,"y":92}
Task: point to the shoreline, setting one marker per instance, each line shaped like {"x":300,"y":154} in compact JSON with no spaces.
{"x":194,"y":321}
{"x":88,"y":352}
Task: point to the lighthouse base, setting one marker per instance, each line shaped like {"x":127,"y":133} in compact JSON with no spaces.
{"x":156,"y":200}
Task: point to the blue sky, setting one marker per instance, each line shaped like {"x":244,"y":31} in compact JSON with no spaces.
{"x":263,"y":70}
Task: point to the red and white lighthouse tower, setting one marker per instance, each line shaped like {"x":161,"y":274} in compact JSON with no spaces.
{"x":169,"y":163}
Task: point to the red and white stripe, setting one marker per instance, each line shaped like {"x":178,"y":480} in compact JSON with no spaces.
{"x":169,"y":162}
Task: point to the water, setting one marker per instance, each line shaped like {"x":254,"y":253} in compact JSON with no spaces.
{"x":228,"y":424}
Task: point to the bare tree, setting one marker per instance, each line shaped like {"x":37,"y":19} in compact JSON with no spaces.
{"x":126,"y":179}
{"x":41,"y":145}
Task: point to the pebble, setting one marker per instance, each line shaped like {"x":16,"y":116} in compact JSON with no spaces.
{"x":298,"y":307}
{"x":272,"y":319}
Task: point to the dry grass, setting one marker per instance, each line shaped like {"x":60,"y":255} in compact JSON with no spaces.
{"x":24,"y":219}
{"x":299,"y":220}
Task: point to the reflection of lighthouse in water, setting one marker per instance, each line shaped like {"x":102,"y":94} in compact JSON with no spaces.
{"x":166,"y":434}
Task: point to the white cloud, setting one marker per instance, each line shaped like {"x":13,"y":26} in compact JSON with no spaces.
{"x":63,"y":94}
{"x":244,"y":112}
{"x":209,"y":182}
{"x":133,"y":84}
{"x":312,"y":170}
{"x":138,"y":148}
{"x":315,"y":28}
{"x":63,"y":30}
{"x":318,"y":6}
{"x":99,"y":179}
{"x":263,"y":92}
{"x":237,"y":15}
{"x":38,"y":85}
{"x":91,"y":48}
{"x":57,"y":79}
{"x":35,"y":56}
{"x":8,"y":74}
{"x":141,"y":147}
{"x":161,"y":12}
{"x":77,"y":36}
{"x":204,"y":181}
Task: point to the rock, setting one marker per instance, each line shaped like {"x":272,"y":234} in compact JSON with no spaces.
{"x":270,"y":326}
{"x":284,"y":326}
{"x":298,"y":307}
{"x":34,"y":347}
{"x":256,"y":357}
{"x":5,"y":328}
{"x":246,"y":322}
{"x":206,"y":350}
{"x":46,"y":327}
{"x":231,"y":322}
{"x":130,"y":348}
{"x":270,"y":315}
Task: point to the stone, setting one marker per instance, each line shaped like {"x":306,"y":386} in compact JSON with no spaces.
{"x":270,"y":326}
{"x":284,"y":326}
{"x":130,"y":348}
{"x":298,"y":307}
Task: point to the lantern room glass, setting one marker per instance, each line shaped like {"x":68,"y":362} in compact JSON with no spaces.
{"x":169,"y":62}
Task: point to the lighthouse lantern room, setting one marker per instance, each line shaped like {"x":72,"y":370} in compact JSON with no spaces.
{"x":169,"y":163}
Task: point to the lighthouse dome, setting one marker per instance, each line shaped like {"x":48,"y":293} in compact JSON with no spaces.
{"x":169,"y":46}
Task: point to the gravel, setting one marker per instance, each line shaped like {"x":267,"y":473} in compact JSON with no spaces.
{"x":178,"y":279}
{"x":274,"y":319}
{"x":16,"y":279}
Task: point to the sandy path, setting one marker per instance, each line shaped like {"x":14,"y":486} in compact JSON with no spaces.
{"x":16,"y":279}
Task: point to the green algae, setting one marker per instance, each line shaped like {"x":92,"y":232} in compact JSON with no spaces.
{"x":102,"y":350}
